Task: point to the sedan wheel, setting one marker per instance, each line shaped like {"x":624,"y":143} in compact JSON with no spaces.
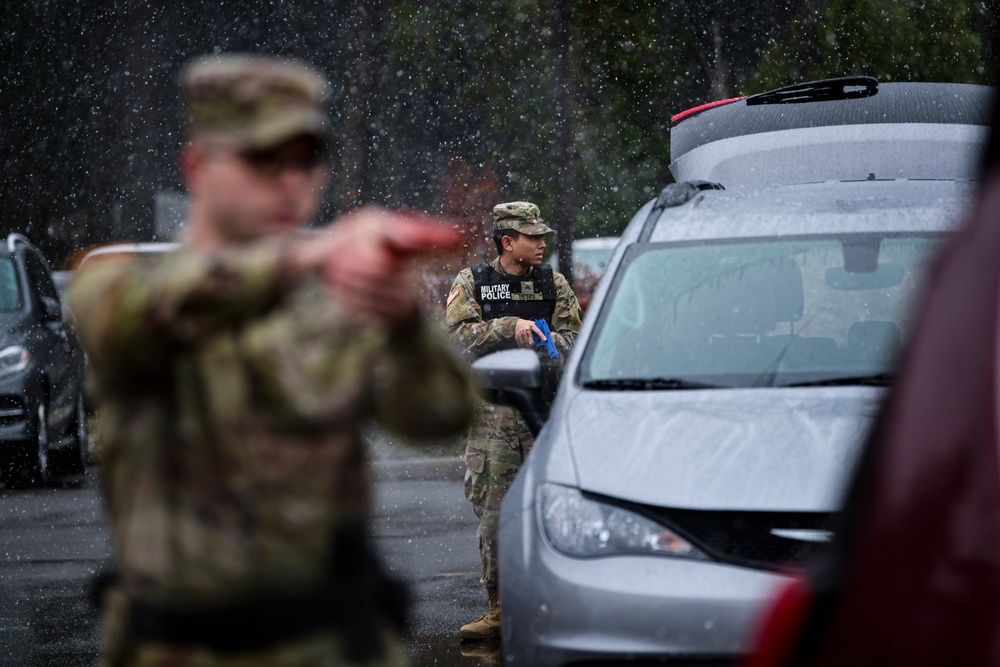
{"x":36,"y":470}
{"x":78,"y":454}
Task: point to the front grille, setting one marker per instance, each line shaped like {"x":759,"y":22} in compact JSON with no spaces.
{"x":11,"y":410}
{"x":761,"y":540}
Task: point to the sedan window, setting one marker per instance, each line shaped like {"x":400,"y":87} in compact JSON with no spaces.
{"x":10,"y":295}
{"x":759,"y":312}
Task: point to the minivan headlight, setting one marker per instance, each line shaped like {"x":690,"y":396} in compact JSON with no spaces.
{"x":579,"y":526}
{"x":13,"y":360}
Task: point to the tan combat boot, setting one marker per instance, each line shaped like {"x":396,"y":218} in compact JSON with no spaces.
{"x":487,"y":626}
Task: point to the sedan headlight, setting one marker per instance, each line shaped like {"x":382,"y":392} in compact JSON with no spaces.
{"x":579,"y":526}
{"x":13,"y":360}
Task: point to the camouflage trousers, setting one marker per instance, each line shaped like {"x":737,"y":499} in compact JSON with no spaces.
{"x":498,"y":442}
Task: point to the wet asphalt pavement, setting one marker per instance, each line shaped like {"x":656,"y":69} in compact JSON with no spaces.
{"x":53,"y":540}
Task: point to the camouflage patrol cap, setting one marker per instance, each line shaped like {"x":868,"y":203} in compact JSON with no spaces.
{"x":521,"y":216}
{"x":253,"y":101}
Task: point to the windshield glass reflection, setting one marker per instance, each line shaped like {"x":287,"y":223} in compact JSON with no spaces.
{"x":761,"y":312}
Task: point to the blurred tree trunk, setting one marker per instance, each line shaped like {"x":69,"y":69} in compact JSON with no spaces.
{"x":726,"y":39}
{"x":354,"y":179}
{"x":138,"y":167}
{"x":718,"y":67}
{"x":562,"y":144}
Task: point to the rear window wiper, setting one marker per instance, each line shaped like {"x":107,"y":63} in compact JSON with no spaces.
{"x":875,"y":380}
{"x":626,"y":384}
{"x":843,"y":88}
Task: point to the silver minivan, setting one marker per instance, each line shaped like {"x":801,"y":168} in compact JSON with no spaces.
{"x":730,"y":364}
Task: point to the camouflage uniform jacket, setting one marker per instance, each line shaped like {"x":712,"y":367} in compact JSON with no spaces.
{"x":477,"y":337}
{"x":230,"y":402}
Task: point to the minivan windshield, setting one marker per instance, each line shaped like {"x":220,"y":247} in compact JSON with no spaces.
{"x":10,"y":295}
{"x":774,"y":311}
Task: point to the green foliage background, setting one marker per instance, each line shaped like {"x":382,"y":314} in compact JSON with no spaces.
{"x":487,"y":65}
{"x":893,"y":40}
{"x":457,"y":106}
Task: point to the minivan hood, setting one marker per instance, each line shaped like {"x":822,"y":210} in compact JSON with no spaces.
{"x":751,"y":449}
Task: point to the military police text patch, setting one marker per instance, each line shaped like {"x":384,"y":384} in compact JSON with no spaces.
{"x":494,"y":292}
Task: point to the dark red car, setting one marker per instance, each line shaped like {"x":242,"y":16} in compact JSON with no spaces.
{"x":915,"y":579}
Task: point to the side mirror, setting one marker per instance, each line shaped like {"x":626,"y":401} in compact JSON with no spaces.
{"x":51,"y":310}
{"x":514,"y":378}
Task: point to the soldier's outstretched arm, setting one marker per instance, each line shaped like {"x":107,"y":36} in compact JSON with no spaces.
{"x":419,"y":387}
{"x":370,"y":271}
{"x":412,"y":380}
{"x":133,"y":315}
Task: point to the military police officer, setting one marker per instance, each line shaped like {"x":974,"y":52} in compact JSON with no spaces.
{"x":495,"y":307}
{"x":233,"y":378}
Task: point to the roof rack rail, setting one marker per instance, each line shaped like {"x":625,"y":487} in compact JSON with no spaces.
{"x":672,"y":195}
{"x":842,"y":88}
{"x":15,"y":238}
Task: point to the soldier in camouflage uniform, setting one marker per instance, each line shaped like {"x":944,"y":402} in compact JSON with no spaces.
{"x":233,"y":377}
{"x":494,"y":307}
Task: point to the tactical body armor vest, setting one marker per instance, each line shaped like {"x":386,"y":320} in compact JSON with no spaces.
{"x":530,"y":297}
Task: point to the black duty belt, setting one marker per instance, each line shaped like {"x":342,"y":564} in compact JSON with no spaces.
{"x":358,"y":603}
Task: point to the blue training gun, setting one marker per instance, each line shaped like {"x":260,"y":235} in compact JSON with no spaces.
{"x":548,"y":343}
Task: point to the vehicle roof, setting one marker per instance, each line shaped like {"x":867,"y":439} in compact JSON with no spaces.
{"x":904,"y":130}
{"x":827,"y":207}
{"x":13,"y":239}
{"x":128,"y":249}
{"x":594,"y":243}
{"x":894,"y":103}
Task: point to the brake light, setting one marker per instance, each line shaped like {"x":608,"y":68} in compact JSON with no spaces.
{"x":693,"y":110}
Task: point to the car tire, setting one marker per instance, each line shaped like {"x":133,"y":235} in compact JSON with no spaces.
{"x":77,"y":455}
{"x":37,"y":469}
{"x":32,"y":467}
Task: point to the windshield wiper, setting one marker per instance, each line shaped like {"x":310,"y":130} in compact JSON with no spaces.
{"x":876,"y":380}
{"x":642,"y":384}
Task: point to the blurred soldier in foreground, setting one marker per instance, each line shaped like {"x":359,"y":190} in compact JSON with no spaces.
{"x":495,"y":307}
{"x":233,"y":377}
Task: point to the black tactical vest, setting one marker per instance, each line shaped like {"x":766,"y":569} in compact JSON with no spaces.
{"x":530,"y":297}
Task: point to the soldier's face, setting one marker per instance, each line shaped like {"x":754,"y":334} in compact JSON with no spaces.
{"x":525,"y":250}
{"x":246,"y":196}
